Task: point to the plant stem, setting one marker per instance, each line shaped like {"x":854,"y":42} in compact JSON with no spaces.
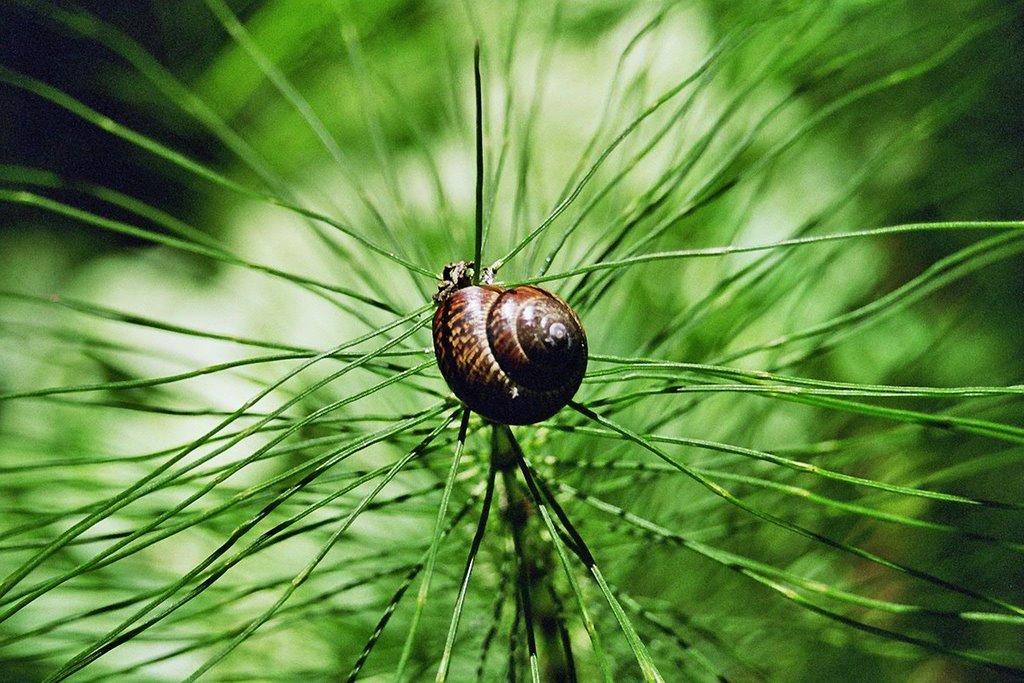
{"x":479,"y":219}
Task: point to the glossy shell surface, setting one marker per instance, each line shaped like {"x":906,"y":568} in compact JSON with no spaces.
{"x":515,"y":356}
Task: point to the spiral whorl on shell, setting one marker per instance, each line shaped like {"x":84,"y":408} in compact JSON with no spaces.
{"x":515,"y":356}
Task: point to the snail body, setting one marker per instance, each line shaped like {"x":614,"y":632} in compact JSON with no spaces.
{"x":515,"y":356}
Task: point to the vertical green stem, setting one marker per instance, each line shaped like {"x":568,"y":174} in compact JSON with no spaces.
{"x":479,"y":239}
{"x":524,"y":575}
{"x":428,"y":573}
{"x":478,"y":537}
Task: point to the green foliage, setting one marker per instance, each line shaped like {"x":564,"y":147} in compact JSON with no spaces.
{"x":792,"y":230}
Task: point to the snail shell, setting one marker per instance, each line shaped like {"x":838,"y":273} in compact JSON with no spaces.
{"x":515,"y":356}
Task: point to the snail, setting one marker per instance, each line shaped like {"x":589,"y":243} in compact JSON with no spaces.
{"x":515,"y":356}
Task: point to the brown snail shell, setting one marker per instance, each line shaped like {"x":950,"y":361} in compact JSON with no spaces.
{"x":515,"y":356}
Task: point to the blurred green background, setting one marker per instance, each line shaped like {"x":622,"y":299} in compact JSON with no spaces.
{"x":802,"y":119}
